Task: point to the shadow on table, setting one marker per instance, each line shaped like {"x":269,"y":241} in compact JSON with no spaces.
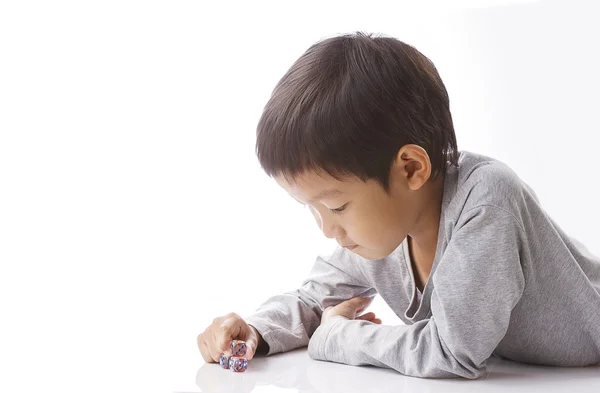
{"x":310,"y":376}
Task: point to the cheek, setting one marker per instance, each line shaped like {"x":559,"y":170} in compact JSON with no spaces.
{"x":379,"y":227}
{"x":367,"y":228}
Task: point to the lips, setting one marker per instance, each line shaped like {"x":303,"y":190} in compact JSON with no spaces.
{"x":350,"y":247}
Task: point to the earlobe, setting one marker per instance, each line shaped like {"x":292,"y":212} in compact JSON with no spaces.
{"x":416,"y":181}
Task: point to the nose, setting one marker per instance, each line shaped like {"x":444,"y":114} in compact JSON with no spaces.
{"x":328,"y":225}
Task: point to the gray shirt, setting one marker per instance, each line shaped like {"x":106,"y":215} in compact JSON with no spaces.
{"x":505,"y":281}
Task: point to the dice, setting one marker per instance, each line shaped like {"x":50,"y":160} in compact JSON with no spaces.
{"x":238,"y":348}
{"x":224,"y":361}
{"x":236,"y":362}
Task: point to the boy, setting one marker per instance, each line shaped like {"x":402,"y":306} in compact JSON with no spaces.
{"x":359,"y":129}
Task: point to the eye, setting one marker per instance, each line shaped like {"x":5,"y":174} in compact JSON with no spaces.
{"x":339,"y":210}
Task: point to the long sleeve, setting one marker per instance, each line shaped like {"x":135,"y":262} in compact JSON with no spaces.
{"x":287,"y":321}
{"x":478,"y":281}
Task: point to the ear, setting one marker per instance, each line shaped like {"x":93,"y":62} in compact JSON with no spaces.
{"x":412,"y":163}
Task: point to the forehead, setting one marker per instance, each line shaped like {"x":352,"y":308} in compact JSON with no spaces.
{"x":313,"y":186}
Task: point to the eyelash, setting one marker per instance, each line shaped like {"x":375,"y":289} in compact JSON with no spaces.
{"x":339,"y":210}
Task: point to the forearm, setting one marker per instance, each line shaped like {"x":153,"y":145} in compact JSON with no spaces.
{"x":287,"y":321}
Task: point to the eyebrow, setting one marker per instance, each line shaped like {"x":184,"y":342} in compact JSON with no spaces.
{"x":330,"y":193}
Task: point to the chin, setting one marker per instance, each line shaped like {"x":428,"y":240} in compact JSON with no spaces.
{"x":371,"y":256}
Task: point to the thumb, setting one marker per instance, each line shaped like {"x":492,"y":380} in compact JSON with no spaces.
{"x":250,"y":349}
{"x":361,"y":303}
{"x":251,"y":343}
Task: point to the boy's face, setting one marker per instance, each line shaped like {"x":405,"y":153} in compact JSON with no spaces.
{"x":359,"y":213}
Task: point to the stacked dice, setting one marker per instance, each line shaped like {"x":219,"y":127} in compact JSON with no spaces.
{"x":236,"y":362}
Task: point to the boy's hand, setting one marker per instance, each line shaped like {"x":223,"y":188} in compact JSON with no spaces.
{"x":216,"y":339}
{"x":349,"y":309}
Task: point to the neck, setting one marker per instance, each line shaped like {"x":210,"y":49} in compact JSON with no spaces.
{"x":424,"y":234}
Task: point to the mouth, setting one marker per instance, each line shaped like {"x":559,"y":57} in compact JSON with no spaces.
{"x":350,"y":247}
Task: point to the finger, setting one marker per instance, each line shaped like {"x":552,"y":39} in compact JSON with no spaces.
{"x":214,"y":353}
{"x":368,"y":316}
{"x":362,"y":304}
{"x":199,"y":341}
{"x":251,"y":343}
{"x":205,"y":352}
{"x":249,"y":351}
{"x":250,"y":347}
{"x":229,"y":330}
{"x":377,"y":321}
{"x":355,"y":302}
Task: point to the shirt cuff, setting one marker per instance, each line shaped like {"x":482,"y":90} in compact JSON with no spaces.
{"x":262,"y":327}
{"x":317,"y":346}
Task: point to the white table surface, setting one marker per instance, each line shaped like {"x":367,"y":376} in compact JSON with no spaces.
{"x":295,"y":371}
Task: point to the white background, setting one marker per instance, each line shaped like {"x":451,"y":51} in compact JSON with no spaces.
{"x":133,"y":210}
